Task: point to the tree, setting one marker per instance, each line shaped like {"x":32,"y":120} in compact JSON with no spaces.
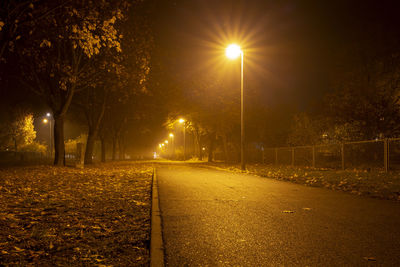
{"x":18,"y":131}
{"x":61,"y":47}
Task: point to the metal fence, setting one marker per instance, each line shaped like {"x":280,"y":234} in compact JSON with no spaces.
{"x":381,"y":154}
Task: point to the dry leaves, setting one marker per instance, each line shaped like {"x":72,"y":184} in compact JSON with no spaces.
{"x":64,"y":216}
{"x":374,"y":183}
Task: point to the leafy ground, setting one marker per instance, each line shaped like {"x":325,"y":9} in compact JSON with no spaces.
{"x":57,"y":216}
{"x":374,"y":183}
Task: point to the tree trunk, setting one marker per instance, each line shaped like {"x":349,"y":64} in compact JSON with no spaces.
{"x":59,"y":147}
{"x":121,"y":151}
{"x":103,"y":149}
{"x":15,"y":147}
{"x":211,"y":147}
{"x":114,"y":148}
{"x":92,"y":135}
{"x":225,"y":144}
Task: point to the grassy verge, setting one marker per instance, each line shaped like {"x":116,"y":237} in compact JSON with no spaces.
{"x":377,"y":184}
{"x":54,"y":216}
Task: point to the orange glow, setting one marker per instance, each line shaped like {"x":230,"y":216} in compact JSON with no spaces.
{"x":171,"y":135}
{"x":45,"y":120}
{"x":233,"y":51}
{"x":181,"y":120}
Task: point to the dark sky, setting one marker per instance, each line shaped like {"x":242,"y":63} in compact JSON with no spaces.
{"x":291,"y":47}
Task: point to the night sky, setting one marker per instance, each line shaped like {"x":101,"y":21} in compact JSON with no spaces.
{"x":293,"y":49}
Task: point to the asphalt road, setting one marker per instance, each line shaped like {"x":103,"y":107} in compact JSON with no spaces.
{"x":216,"y":218}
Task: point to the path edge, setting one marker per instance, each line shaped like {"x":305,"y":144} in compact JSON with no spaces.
{"x":156,"y":240}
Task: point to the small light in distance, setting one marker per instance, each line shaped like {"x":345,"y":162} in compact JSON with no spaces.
{"x":45,"y":120}
{"x":171,"y":135}
{"x":48,"y":114}
{"x":166,"y":141}
{"x":181,"y":120}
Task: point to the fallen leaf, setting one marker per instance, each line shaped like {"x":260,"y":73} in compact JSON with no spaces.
{"x":288,"y":211}
{"x":17,"y":249}
{"x":369,"y":258}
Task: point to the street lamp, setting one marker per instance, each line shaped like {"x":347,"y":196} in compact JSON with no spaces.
{"x":171,"y":135}
{"x":45,"y":121}
{"x":182,"y":121}
{"x":233,"y":51}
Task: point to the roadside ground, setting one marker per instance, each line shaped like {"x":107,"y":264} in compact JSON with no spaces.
{"x":374,"y":183}
{"x":60,"y":216}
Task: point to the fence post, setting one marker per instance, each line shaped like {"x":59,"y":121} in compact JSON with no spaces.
{"x":386,"y":154}
{"x":342,"y":150}
{"x":276,"y":156}
{"x":313,"y":156}
{"x":292,"y":156}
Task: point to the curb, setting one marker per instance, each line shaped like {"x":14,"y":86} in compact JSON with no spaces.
{"x":156,"y":241}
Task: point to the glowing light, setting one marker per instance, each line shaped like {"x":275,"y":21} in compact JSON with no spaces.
{"x":171,"y":135}
{"x":233,"y":51}
{"x":203,"y":148}
{"x":166,"y":141}
{"x":181,"y":120}
{"x":48,"y":114}
{"x":45,"y":120}
{"x":159,"y":145}
{"x":163,"y":144}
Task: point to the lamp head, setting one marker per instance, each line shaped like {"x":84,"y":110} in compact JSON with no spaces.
{"x":233,"y":51}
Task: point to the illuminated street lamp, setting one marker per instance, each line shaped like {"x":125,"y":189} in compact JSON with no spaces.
{"x":233,"y":51}
{"x":171,"y":135}
{"x":182,"y":121}
{"x":45,"y":121}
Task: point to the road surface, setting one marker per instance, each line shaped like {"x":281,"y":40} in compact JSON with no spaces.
{"x":217,"y":218}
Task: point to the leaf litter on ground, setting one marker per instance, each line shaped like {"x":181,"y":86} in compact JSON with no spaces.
{"x":57,"y":216}
{"x":372,"y":183}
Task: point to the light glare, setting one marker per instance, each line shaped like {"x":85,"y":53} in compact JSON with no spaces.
{"x":233,"y":51}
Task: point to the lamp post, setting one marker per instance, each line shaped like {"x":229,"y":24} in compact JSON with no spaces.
{"x":45,"y":121}
{"x":182,"y":121}
{"x":233,"y":51}
{"x":171,"y":135}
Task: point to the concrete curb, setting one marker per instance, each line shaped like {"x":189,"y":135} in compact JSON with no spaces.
{"x":156,"y":240}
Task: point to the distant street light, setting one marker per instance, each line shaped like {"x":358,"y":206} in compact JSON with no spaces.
{"x":45,"y":121}
{"x":171,"y":135}
{"x":182,"y":121}
{"x":233,"y":51}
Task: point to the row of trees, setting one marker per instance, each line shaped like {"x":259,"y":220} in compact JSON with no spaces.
{"x":81,"y":57}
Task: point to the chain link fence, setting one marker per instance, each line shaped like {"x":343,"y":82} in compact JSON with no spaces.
{"x":381,"y":154}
